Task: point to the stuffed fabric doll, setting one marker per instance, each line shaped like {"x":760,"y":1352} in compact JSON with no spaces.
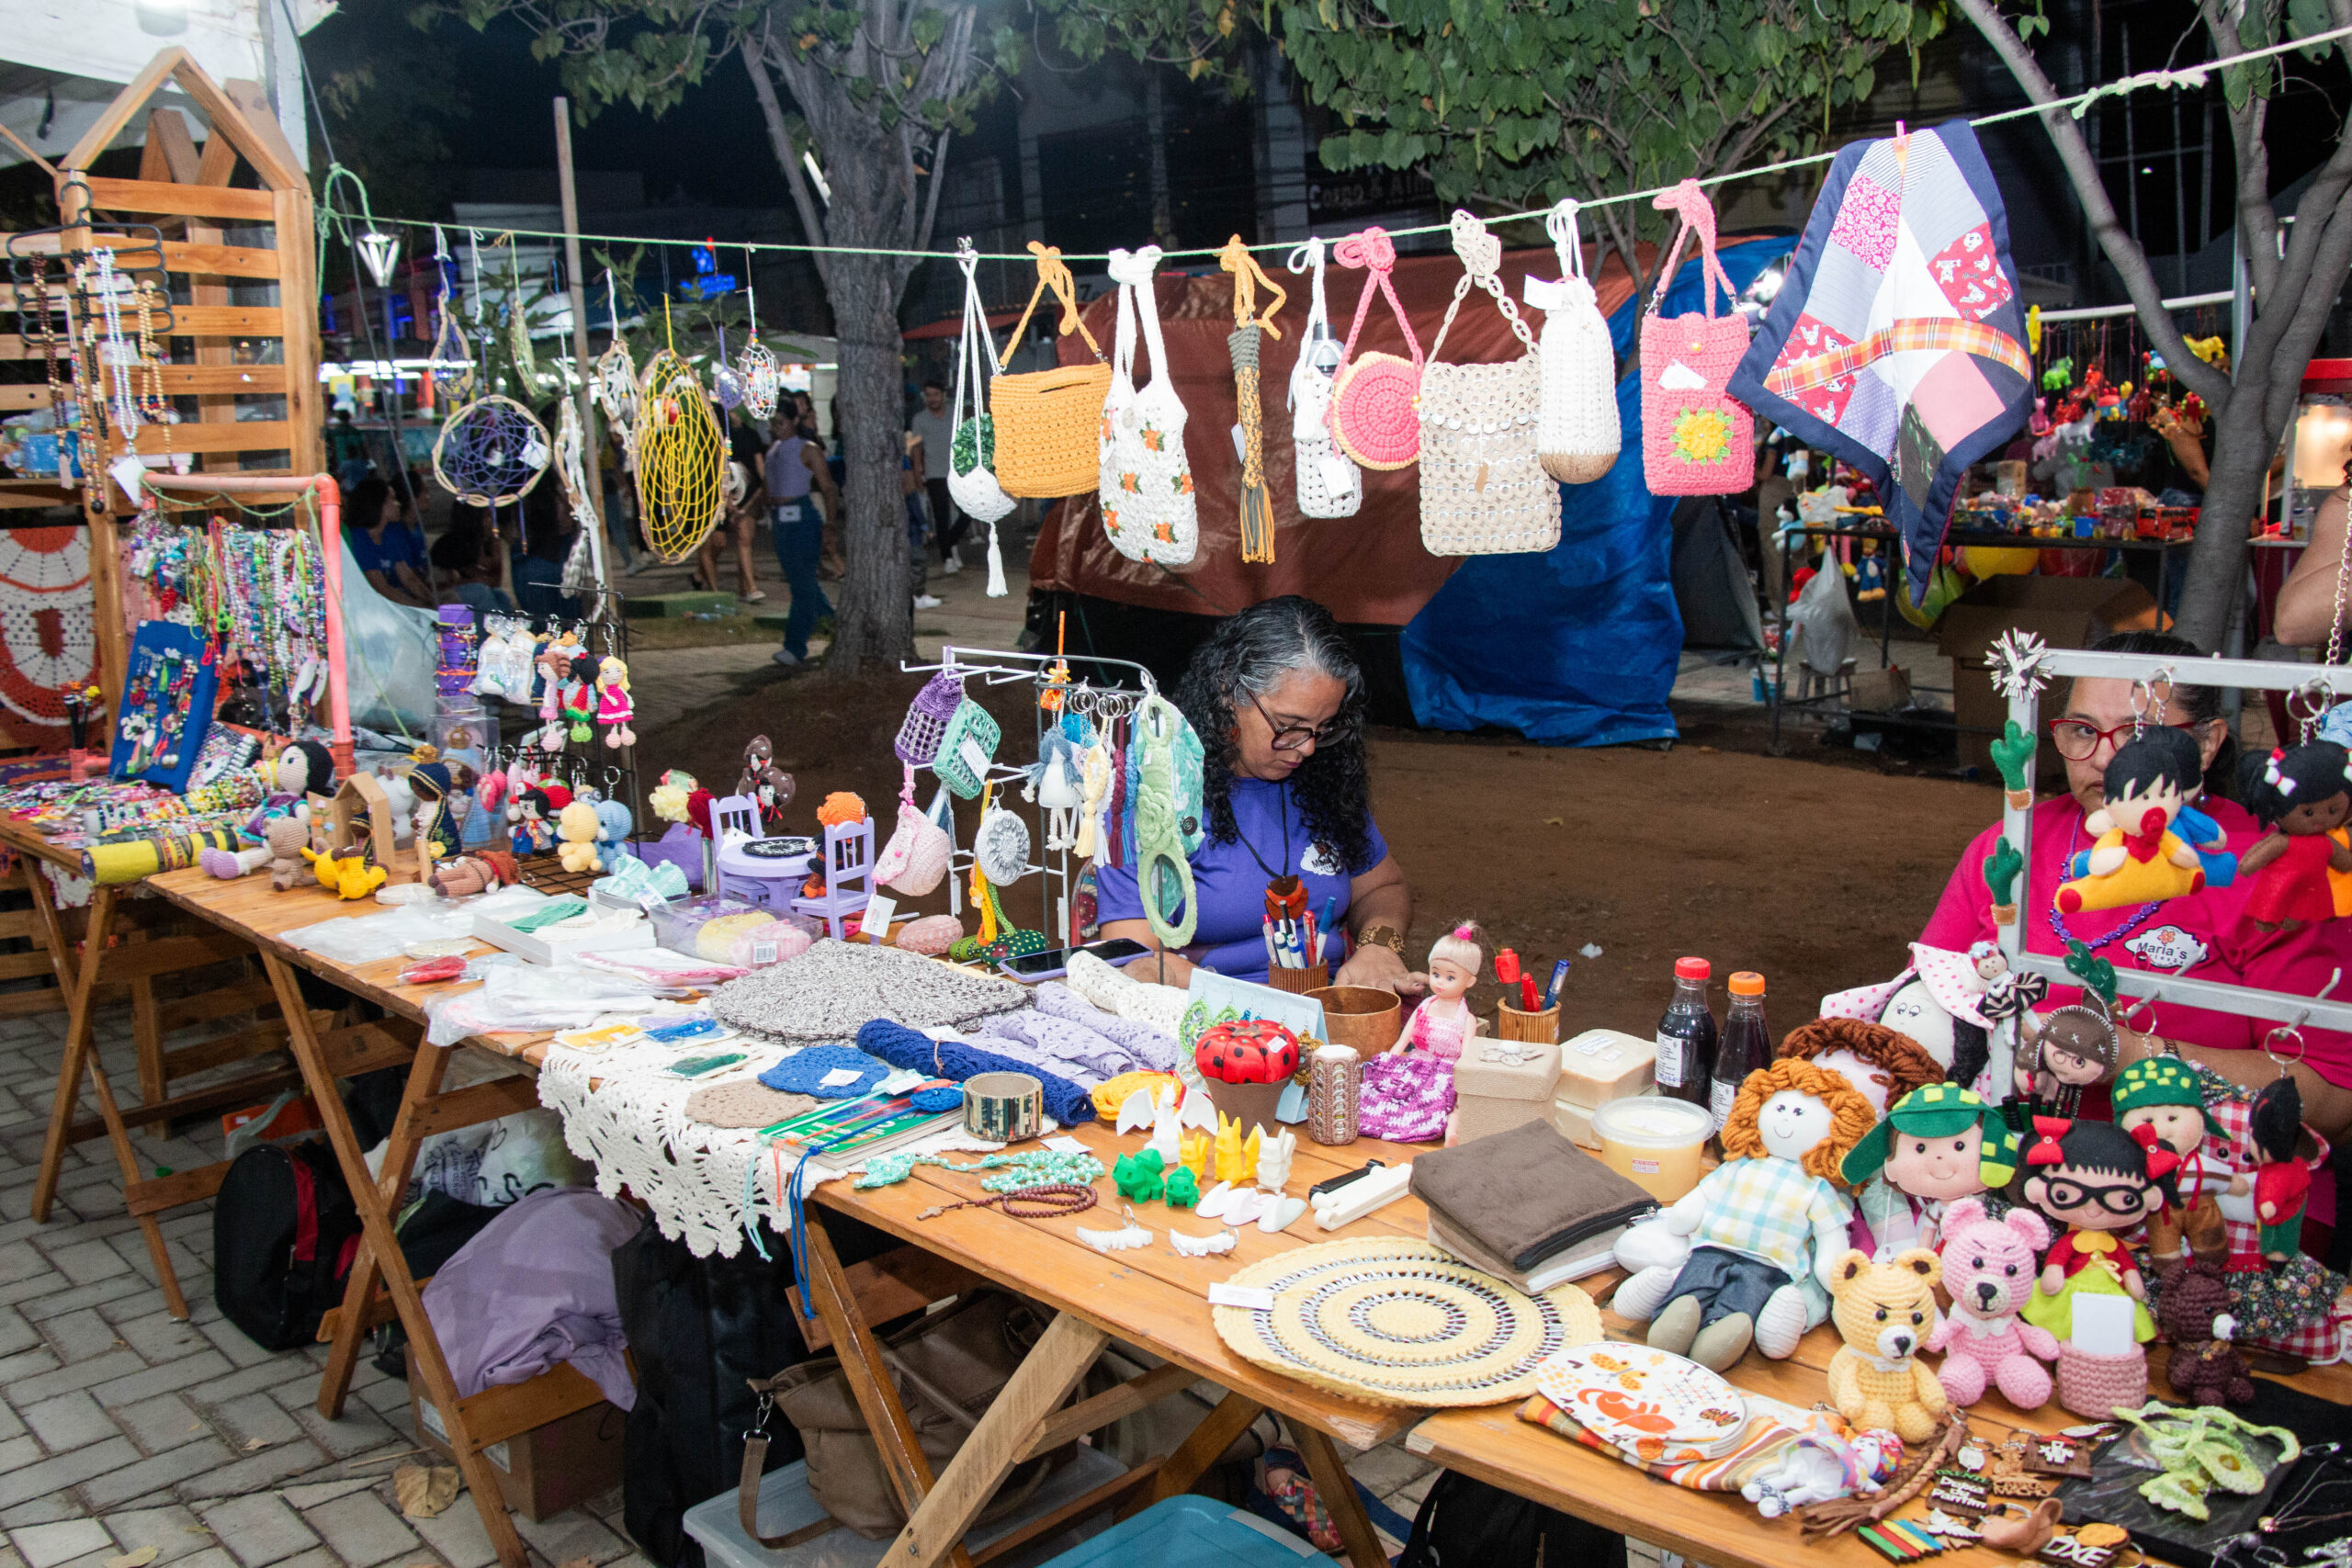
{"x":2073,"y":1048}
{"x":1875,"y":1061}
{"x":2099,"y":1181}
{"x":1765,"y":1226}
{"x":1937,"y":1144}
{"x":2304,"y":792}
{"x":2165,"y":1093}
{"x":2281,"y":1182}
{"x":2135,"y":857}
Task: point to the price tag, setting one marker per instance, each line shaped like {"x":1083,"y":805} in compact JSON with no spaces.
{"x":874,"y":923}
{"x":1237,"y":454}
{"x":1254,"y":1297}
{"x":974,"y":758}
{"x":1065,"y":1146}
{"x":840,"y":1077}
{"x":762,"y":953}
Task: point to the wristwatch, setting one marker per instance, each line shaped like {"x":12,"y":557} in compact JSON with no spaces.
{"x":1381,"y":935}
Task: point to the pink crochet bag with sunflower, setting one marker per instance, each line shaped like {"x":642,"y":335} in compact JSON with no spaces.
{"x":1375,"y":401}
{"x":1695,"y":439}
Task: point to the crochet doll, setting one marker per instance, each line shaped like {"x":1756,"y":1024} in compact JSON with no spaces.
{"x":2304,"y":792}
{"x":1880,"y":1063}
{"x":2162,"y":1092}
{"x":1937,"y":1144}
{"x":301,"y":770}
{"x":2135,"y":857}
{"x":2281,"y":1181}
{"x":2098,"y":1182}
{"x":1443,"y":1022}
{"x":613,"y":709}
{"x":2074,"y":1048}
{"x":1766,"y":1226}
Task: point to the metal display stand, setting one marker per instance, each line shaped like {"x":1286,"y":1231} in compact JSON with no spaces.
{"x":2330,"y":683}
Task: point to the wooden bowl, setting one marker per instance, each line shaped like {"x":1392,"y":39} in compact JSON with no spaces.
{"x":1363,"y":1017}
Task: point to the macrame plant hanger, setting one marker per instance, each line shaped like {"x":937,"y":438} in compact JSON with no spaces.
{"x":1242,"y":343}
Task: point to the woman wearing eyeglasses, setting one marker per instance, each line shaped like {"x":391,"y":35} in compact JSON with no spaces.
{"x":1277,"y":703}
{"x":2201,"y":935}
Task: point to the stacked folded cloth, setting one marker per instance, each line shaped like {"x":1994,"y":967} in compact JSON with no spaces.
{"x":1527,"y":1206}
{"x":1078,"y":1032}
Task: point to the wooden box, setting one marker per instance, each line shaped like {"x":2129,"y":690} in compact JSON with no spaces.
{"x":546,"y":1470}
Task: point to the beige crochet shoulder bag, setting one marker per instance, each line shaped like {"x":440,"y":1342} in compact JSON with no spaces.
{"x":1483,"y":491}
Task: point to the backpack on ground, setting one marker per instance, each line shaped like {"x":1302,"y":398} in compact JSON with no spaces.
{"x":284,"y":1232}
{"x":1465,"y":1523}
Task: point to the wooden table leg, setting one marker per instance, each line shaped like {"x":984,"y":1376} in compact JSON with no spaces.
{"x":1338,"y":1491}
{"x":81,"y":982}
{"x":1200,"y":1449}
{"x":375,"y":1226}
{"x":425,"y":1075}
{"x":1059,"y":1361}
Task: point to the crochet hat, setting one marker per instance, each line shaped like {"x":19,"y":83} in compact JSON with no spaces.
{"x":2161,"y":1080}
{"x":1937,"y":1110}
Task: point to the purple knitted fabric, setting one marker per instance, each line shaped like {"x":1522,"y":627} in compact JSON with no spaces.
{"x":927,"y":718}
{"x":1405,"y":1100}
{"x":1071,"y":1048}
{"x":1152,"y":1049}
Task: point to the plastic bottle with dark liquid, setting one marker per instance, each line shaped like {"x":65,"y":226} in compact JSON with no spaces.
{"x":1686,"y":1036}
{"x":1747,"y":1045}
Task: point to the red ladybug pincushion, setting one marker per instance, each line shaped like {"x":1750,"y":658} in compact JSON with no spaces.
{"x":1247,"y":1051}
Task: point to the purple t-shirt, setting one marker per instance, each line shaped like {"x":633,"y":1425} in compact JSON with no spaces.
{"x":1230,"y":885}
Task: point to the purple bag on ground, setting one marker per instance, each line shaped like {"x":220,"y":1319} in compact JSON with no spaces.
{"x":1406,"y":1099}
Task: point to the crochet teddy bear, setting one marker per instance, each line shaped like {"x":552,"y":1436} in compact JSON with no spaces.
{"x":577,"y":825}
{"x":1884,"y":1312}
{"x":2193,"y":1309}
{"x":287,"y":837}
{"x":1989,"y":1273}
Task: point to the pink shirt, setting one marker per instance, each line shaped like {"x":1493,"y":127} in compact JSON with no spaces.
{"x":2206,"y":930}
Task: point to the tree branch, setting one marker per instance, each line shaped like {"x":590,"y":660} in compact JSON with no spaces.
{"x":2131,"y":263}
{"x":780,"y":143}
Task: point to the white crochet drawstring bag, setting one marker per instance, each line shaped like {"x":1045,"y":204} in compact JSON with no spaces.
{"x":1329,"y":483}
{"x":1576,"y":436}
{"x":971,"y":477}
{"x":1148,"y":508}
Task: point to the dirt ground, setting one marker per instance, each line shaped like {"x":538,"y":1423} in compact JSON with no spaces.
{"x":1811,"y":868}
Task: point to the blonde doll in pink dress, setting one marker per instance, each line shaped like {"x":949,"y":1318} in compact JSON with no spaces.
{"x":613,"y":709}
{"x":1442,"y":1022}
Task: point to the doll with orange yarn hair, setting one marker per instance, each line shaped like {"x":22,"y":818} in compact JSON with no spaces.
{"x":1442,"y":1023}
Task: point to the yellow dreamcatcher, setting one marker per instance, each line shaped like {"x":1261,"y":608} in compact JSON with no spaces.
{"x":681,"y":456}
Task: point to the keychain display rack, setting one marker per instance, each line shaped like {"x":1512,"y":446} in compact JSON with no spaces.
{"x":1043,"y":673}
{"x":2316,"y":685}
{"x":611,"y":773}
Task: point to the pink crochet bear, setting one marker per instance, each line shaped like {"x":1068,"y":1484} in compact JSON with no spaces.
{"x":1988,"y":1269}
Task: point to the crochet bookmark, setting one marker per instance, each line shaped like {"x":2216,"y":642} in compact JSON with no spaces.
{"x":1257,"y":519}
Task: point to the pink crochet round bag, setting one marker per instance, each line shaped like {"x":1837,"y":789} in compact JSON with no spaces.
{"x":932,"y":935}
{"x":915,"y":859}
{"x":1375,"y":400}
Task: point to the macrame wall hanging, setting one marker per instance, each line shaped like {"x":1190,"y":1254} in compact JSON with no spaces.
{"x":1256,"y":516}
{"x":518,"y":318}
{"x":681,"y":456}
{"x":615,"y":384}
{"x":49,"y":643}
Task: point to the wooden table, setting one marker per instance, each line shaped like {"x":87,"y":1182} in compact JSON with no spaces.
{"x":128,"y":942}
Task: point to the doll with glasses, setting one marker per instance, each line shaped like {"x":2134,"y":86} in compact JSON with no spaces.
{"x":2097,"y":1182}
{"x":2075,"y":1047}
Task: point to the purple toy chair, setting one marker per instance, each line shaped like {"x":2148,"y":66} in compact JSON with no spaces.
{"x":765,"y":872}
{"x":849,"y":875}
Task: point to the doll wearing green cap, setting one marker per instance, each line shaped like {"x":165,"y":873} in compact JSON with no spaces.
{"x":2163,"y":1092}
{"x":1939,"y":1143}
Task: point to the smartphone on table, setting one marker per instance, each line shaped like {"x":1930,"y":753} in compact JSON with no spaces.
{"x":1055,"y":961}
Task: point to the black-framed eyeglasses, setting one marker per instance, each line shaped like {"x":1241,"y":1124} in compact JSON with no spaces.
{"x":1298,"y":737}
{"x":2121,"y":1198}
{"x":2078,"y":739}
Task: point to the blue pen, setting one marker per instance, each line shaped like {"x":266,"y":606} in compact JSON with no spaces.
{"x":1559,"y":978}
{"x":1323,"y":924}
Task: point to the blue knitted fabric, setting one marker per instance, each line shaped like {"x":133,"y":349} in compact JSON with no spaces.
{"x":804,"y":1072}
{"x":939,"y":1097}
{"x":1066,"y":1102}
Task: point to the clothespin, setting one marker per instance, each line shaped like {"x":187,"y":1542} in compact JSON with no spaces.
{"x":1902,"y":145}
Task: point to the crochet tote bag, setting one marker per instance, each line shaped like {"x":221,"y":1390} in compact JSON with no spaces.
{"x":971,"y":457}
{"x":1373,"y":413}
{"x":1483,"y":493}
{"x":1577,"y":432}
{"x":1148,"y":508}
{"x":1330,"y":484}
{"x":1696,"y":440}
{"x":1045,"y":421}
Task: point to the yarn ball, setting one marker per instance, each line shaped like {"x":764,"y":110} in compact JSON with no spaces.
{"x":932,"y":935}
{"x":936,"y":1097}
{"x":805,"y":1071}
{"x":790,"y":939}
{"x":1066,"y":1102}
{"x":840,"y":808}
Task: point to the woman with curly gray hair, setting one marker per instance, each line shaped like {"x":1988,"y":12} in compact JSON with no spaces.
{"x":1277,"y":703}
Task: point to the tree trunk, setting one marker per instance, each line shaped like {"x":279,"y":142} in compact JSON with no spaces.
{"x":2242,"y":449}
{"x":874,"y":621}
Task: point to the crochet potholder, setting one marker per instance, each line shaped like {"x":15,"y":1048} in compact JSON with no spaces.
{"x":1696,"y":438}
{"x":1374,"y":402}
{"x":1163,"y":874}
{"x":827,"y":1072}
{"x":1482,"y":490}
{"x":1329,"y":483}
{"x":1001,"y":846}
{"x":1578,"y":431}
{"x":967,"y":747}
{"x":1148,"y":508}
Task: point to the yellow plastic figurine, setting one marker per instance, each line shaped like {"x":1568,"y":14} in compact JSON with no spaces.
{"x":1233,"y":1158}
{"x":1194,"y":1156}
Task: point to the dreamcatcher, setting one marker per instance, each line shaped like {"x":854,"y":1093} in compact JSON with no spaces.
{"x":762,"y":377}
{"x":453,"y":363}
{"x":584,"y":570}
{"x":613,"y":384}
{"x":681,"y":458}
{"x":725,"y":385}
{"x":490,"y":452}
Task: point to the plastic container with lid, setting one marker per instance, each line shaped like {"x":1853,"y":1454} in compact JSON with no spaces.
{"x":1655,"y":1142}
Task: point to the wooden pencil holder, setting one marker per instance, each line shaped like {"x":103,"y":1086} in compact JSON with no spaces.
{"x":1540,"y":1028}
{"x":1313,"y":977}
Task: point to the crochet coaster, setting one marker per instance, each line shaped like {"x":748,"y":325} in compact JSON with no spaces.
{"x":831,"y":989}
{"x":1393,"y":1321}
{"x":745,"y":1104}
{"x":829,"y":1072}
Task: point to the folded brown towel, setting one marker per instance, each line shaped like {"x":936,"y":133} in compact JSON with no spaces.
{"x":1587,"y":1256}
{"x":1526,"y":1194}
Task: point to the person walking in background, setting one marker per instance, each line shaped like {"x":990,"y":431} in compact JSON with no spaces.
{"x":937,"y":428}
{"x":621,"y":506}
{"x":796,"y":474}
{"x":734,"y":533}
{"x":910,"y":490}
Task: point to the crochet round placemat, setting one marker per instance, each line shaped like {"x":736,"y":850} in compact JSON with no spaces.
{"x":746,"y":1104}
{"x":829,"y":1072}
{"x":1393,"y":1321}
{"x":827,"y":992}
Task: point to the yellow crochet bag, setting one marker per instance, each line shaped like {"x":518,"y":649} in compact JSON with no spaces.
{"x":1048,"y":423}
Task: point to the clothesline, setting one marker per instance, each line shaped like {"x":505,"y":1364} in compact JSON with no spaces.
{"x":2076,"y":105}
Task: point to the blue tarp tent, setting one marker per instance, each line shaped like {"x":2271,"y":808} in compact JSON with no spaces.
{"x":1577,"y":646}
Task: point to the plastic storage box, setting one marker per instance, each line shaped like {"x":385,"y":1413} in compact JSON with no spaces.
{"x":1192,"y":1533}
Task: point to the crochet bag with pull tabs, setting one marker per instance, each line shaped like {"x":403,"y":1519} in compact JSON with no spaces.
{"x":1148,"y":508}
{"x":1330,"y":484}
{"x":1374,"y":417}
{"x":971,"y":460}
{"x":1483,"y":492}
{"x":1249,"y":433}
{"x":1695,"y":439}
{"x":1577,"y":436}
{"x":1045,"y":420}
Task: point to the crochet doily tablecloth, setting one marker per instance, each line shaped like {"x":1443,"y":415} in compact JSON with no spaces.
{"x":1392,"y":1321}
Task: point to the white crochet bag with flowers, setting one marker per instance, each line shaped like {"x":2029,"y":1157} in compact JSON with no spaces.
{"x":971,"y":477}
{"x":1577,"y":436}
{"x":1483,"y":493}
{"x":1148,"y":508}
{"x":1329,"y":483}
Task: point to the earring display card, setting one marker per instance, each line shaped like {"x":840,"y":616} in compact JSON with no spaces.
{"x":167,"y":706}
